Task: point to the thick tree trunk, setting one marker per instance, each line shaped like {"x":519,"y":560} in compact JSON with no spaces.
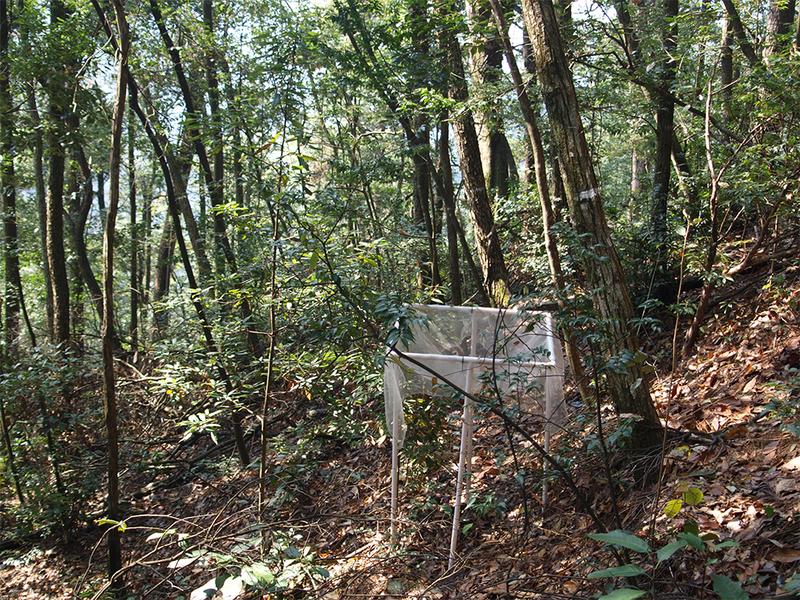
{"x":486,"y":60}
{"x":726,"y":68}
{"x":166,"y":247}
{"x":490,"y":252}
{"x":665,"y":119}
{"x":540,"y":176}
{"x":780,"y":20}
{"x":627,"y":381}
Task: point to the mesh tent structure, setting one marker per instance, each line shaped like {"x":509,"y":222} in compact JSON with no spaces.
{"x":510,"y":355}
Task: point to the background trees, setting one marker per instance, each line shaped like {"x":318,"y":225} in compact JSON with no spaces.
{"x":298,"y":173}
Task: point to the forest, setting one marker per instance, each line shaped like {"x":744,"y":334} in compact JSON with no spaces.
{"x":433,"y":299}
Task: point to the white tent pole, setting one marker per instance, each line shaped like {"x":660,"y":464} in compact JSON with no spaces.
{"x":395,"y":477}
{"x":462,"y":459}
{"x":464,"y":452}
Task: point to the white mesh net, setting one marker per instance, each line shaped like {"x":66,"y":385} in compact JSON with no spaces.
{"x":509,"y":355}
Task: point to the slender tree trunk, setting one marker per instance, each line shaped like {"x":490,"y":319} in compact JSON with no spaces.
{"x":58,"y":98}
{"x":174,"y":213}
{"x":41,"y":203}
{"x":180,"y":164}
{"x":213,"y":178}
{"x":490,"y":251}
{"x":741,"y":34}
{"x":627,"y":381}
{"x":109,"y":384}
{"x":133,"y":329}
{"x":448,"y":199}
{"x":13,"y":287}
{"x":9,"y":448}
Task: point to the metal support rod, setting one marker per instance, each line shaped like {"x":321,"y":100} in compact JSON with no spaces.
{"x":464,"y":452}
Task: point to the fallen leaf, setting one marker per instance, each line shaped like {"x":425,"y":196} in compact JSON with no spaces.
{"x":792,"y":465}
{"x":787,"y":555}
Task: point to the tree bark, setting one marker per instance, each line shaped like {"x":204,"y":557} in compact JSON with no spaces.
{"x":166,"y":247}
{"x":490,"y":252}
{"x":448,"y":199}
{"x":109,"y":384}
{"x":41,"y":202}
{"x":540,"y":171}
{"x":58,"y":98}
{"x":13,"y":284}
{"x":665,"y":119}
{"x":726,"y":68}
{"x":780,"y":20}
{"x":133,"y":328}
{"x":627,"y":382}
{"x":486,"y":60}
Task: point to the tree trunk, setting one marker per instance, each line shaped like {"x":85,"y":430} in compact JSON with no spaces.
{"x":486,"y":61}
{"x":490,"y":251}
{"x":213,"y":178}
{"x":174,"y":214}
{"x":726,"y":68}
{"x":739,"y":30}
{"x":58,"y":99}
{"x":166,"y":247}
{"x":133,"y":328}
{"x":780,"y":20}
{"x":540,"y":171}
{"x":13,"y":287}
{"x":449,"y":201}
{"x":665,"y":119}
{"x":109,"y":384}
{"x":41,"y":203}
{"x":628,"y":385}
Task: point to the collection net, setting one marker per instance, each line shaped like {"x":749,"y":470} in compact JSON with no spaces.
{"x":508,"y":355}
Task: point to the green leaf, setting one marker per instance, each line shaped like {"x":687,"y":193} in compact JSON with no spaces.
{"x":667,"y":551}
{"x":257,"y":575}
{"x":728,"y":589}
{"x":623,"y":571}
{"x":623,"y":594}
{"x":623,"y":539}
{"x":693,"y":496}
{"x":691,"y":527}
{"x":673,"y":507}
{"x":793,"y":584}
{"x":693,"y":540}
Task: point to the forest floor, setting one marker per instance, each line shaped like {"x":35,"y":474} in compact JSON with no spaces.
{"x":329,"y":500}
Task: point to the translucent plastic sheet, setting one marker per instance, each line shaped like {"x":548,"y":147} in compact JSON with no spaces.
{"x":507,"y":355}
